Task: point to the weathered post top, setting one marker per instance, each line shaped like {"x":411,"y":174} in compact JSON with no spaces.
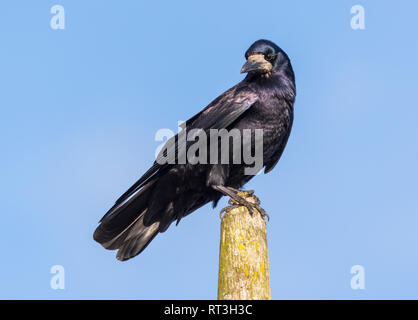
{"x":243,"y":257}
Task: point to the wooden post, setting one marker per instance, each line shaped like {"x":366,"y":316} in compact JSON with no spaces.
{"x":243,"y":259}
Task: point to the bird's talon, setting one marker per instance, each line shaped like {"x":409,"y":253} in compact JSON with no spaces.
{"x":263,"y":213}
{"x":256,"y":200}
{"x":260,"y":210}
{"x":250,"y":210}
{"x":228,"y":208}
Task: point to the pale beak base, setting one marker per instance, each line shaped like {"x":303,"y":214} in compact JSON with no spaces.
{"x":257,"y":63}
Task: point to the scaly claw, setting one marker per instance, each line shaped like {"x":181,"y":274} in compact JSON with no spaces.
{"x":229,"y":208}
{"x":255,"y":204}
{"x":239,"y":198}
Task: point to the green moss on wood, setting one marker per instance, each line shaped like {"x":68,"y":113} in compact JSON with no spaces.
{"x":243,"y":258}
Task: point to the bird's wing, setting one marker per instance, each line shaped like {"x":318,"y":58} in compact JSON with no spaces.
{"x":220,"y":113}
{"x":224,"y":110}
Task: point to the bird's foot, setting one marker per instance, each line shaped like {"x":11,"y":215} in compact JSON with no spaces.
{"x":253,"y":204}
{"x":262,"y":212}
{"x":242,"y":198}
{"x":229,"y":208}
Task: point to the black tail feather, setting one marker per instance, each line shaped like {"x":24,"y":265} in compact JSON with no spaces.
{"x":123,"y":227}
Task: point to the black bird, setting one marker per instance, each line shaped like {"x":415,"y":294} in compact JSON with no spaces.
{"x":168,"y":192}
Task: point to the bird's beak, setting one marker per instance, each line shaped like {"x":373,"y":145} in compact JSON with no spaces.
{"x":256,"y":62}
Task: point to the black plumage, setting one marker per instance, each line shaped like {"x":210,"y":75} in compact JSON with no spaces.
{"x":169,"y":192}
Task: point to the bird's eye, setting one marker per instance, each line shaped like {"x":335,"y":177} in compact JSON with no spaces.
{"x":270,"y":56}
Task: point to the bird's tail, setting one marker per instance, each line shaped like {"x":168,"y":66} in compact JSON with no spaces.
{"x":123,"y":227}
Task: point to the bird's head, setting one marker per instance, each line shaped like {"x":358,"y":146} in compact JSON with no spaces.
{"x":263,"y":58}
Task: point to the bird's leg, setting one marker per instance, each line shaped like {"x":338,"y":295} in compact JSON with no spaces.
{"x":237,"y":200}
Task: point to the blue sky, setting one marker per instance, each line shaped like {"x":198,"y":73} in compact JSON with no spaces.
{"x":80,"y":108}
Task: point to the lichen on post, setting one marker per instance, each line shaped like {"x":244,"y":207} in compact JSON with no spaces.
{"x":243,"y":257}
